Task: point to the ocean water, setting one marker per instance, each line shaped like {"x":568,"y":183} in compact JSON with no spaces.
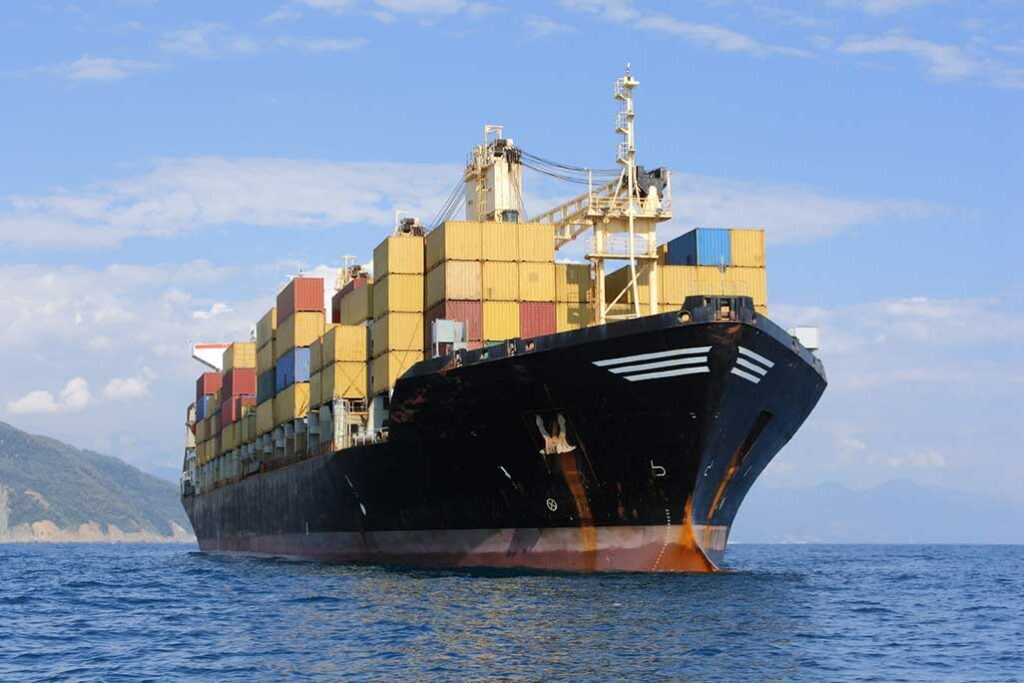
{"x":815,"y":613}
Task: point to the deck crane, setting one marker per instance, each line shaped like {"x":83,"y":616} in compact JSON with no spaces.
{"x":622,"y":213}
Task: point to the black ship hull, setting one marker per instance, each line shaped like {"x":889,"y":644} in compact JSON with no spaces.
{"x":628,"y":447}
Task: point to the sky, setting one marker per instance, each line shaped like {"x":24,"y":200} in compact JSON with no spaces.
{"x":167,"y":166}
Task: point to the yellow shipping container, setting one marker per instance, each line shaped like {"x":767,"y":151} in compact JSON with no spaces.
{"x":619,"y":311}
{"x":245,"y":429}
{"x":357,"y":306}
{"x":537,"y":242}
{"x":227,"y":438}
{"x":390,"y":366}
{"x":265,"y":328}
{"x":501,"y":320}
{"x":240,"y":355}
{"x":500,"y":281}
{"x":300,"y":329}
{"x":398,"y":254}
{"x":536,"y":281}
{"x":345,"y":343}
{"x":615,"y":282}
{"x":734,"y":281}
{"x":398,"y":332}
{"x":572,"y":282}
{"x":459,"y":280}
{"x":346,"y":379}
{"x":398,"y":292}
{"x":675,"y":283}
{"x":747,"y":247}
{"x":213,"y":406}
{"x":500,"y":241}
{"x":314,"y":389}
{"x":292,"y":403}
{"x":316,"y":352}
{"x":454,"y":241}
{"x":573,"y":316}
{"x":201,"y":430}
{"x":217,"y":450}
{"x":265,"y":358}
{"x":264,"y":417}
{"x":214,"y":425}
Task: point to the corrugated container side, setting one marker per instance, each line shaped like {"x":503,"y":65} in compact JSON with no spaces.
{"x":500,"y":241}
{"x":292,"y":367}
{"x":207,"y":384}
{"x":316,"y":353}
{"x":572,"y":282}
{"x":460,"y":280}
{"x":354,"y":283}
{"x":266,"y":385}
{"x":292,"y":403}
{"x":345,"y":379}
{"x":301,"y":329}
{"x":246,"y":426}
{"x":501,"y":320}
{"x":387,"y":368}
{"x":239,"y":382}
{"x":356,"y":306}
{"x":537,"y":282}
{"x":750,"y":282}
{"x":201,"y":406}
{"x":214,"y":405}
{"x":397,"y":331}
{"x":346,"y":343}
{"x":536,"y":242}
{"x":265,"y":358}
{"x":619,"y":310}
{"x":301,"y":294}
{"x":315,"y":389}
{"x":573,"y":316}
{"x":402,"y":293}
{"x":616,"y":281}
{"x":264,"y":417}
{"x":227,"y":438}
{"x":713,"y":247}
{"x":398,"y":254}
{"x":201,"y":430}
{"x":675,"y":283}
{"x":468,"y":312}
{"x":536,"y":319}
{"x":240,"y":355}
{"x":747,"y":246}
{"x":265,"y":328}
{"x":500,"y":281}
{"x":455,"y":240}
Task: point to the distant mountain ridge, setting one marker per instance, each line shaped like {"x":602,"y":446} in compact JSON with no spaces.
{"x":50,"y":491}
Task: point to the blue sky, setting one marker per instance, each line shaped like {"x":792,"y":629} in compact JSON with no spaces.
{"x":166,"y":166}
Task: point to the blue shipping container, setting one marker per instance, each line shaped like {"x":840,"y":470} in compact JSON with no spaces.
{"x":201,"y":407}
{"x":701,"y":247}
{"x":292,"y":367}
{"x":265,"y":385}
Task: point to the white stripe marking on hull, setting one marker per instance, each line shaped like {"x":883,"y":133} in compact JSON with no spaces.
{"x":756,"y":356}
{"x":745,"y":375}
{"x":652,"y":356}
{"x":643,"y":377}
{"x":697,"y":360}
{"x":750,"y":366}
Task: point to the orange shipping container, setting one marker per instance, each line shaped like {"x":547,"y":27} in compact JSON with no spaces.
{"x":301,"y":294}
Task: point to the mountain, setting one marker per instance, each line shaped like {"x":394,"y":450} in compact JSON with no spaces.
{"x":898,"y":511}
{"x":50,"y":491}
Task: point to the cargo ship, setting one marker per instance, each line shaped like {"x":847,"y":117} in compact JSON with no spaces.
{"x":476,"y":403}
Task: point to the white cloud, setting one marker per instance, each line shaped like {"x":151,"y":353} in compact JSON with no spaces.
{"x":125,"y":388}
{"x":73,"y":397}
{"x":207,"y":40}
{"x":542,"y":27}
{"x":422,"y":6}
{"x":929,"y":459}
{"x":705,"y":35}
{"x":89,"y":68}
{"x":337,"y":6}
{"x":943,"y":62}
{"x":283,"y":13}
{"x":788,"y":213}
{"x":218,"y":308}
{"x":316,"y":45}
{"x":881,"y":7}
{"x":179,"y":195}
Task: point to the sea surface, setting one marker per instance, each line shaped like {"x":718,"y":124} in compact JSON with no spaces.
{"x":785,"y":612}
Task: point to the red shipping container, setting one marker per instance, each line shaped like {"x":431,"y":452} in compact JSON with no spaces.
{"x":536,"y":319}
{"x":231,"y":410}
{"x":207,"y":384}
{"x":469,"y":312}
{"x":301,"y":294}
{"x":239,"y":382}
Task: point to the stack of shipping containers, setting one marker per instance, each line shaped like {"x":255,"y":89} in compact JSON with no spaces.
{"x":238,"y":393}
{"x":300,"y":321}
{"x":339,"y":362}
{"x":207,"y":397}
{"x":454,"y":254}
{"x":574,"y":308}
{"x":398,"y":297}
{"x":265,"y":374}
{"x":537,"y":291}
